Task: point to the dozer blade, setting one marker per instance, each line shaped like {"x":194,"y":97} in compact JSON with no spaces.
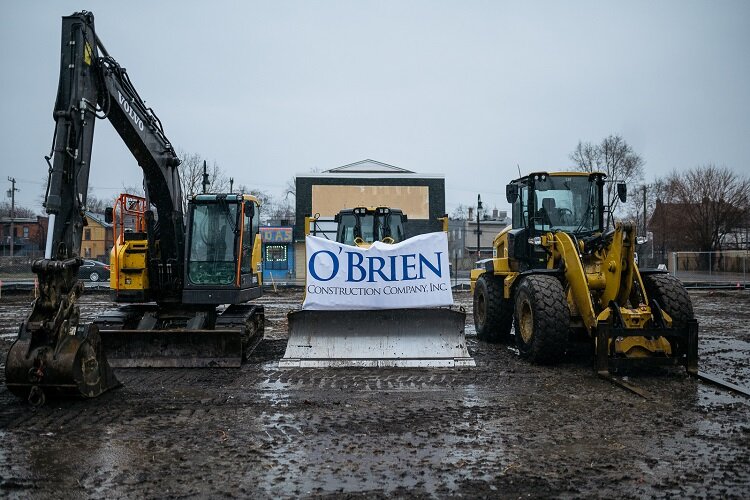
{"x":75,"y":367}
{"x":180,"y":338}
{"x":377,"y":338}
{"x":173,"y":348}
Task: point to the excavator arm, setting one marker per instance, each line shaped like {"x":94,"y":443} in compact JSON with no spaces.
{"x":54,"y":354}
{"x":93,"y":85}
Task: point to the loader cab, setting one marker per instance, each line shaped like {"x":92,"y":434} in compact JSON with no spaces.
{"x":222,"y":255}
{"x":566,"y":201}
{"x":362,"y":226}
{"x":545,"y":203}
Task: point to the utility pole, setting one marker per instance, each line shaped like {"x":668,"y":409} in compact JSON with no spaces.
{"x":12,"y":194}
{"x":645,"y":228}
{"x":479,"y":231}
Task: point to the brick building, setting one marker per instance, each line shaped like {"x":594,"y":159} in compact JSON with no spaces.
{"x":29,"y":238}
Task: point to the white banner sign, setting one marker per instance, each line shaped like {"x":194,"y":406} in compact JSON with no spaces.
{"x":412,"y":273}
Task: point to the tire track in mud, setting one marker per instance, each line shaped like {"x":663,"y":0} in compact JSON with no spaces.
{"x":506,"y":428}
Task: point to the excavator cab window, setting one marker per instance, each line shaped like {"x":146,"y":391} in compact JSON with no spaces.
{"x":213,"y":244}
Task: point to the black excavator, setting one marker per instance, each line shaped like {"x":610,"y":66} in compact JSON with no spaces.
{"x":187,"y":285}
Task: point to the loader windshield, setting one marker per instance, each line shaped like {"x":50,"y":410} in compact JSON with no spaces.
{"x":566,"y":203}
{"x":212,"y":247}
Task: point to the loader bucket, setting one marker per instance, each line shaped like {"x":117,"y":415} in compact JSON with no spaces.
{"x":173,"y":348}
{"x":76,"y":367}
{"x":377,"y":338}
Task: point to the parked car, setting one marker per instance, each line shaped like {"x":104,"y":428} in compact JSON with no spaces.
{"x":93,"y":270}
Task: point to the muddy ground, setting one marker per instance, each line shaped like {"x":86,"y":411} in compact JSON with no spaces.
{"x":504,"y":429}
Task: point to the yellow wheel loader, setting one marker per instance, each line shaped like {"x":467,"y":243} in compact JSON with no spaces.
{"x":558,"y":270}
{"x":409,"y":337}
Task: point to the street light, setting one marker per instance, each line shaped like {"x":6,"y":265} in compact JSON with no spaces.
{"x":479,"y":231}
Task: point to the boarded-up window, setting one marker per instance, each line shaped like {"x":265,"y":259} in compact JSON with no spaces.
{"x":414,"y":201}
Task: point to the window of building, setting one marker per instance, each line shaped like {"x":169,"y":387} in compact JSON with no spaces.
{"x":87,"y":234}
{"x":25,"y":231}
{"x":276,"y":257}
{"x":87,"y":252}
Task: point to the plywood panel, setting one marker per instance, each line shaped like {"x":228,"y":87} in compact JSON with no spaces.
{"x":413,"y":200}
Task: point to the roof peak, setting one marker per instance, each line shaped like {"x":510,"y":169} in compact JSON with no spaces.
{"x":368,"y":166}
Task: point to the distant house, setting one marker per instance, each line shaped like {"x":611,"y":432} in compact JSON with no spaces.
{"x":667,"y":224}
{"x":97,"y":238}
{"x":489,"y":226}
{"x":29,"y":236}
{"x":462,"y":237}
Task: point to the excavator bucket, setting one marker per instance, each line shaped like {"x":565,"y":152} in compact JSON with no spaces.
{"x":54,"y":355}
{"x":377,"y":338}
{"x":135,"y":336}
{"x":75,"y":367}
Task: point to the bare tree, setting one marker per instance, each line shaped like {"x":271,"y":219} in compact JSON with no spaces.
{"x":97,"y":205}
{"x":461,"y":212}
{"x":290,"y":188}
{"x":271,"y":208}
{"x":635,"y":210}
{"x":613,"y":156}
{"x":21,"y":212}
{"x":191,"y":176}
{"x":714,"y":202}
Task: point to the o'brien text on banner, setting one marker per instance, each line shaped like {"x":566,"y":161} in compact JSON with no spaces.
{"x":412,"y":273}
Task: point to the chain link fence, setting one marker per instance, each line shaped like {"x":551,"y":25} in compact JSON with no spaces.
{"x":18,"y":267}
{"x":727,"y":267}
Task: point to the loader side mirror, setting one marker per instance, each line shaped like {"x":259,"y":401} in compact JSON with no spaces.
{"x":511,"y":193}
{"x":622,"y":191}
{"x":109,"y":215}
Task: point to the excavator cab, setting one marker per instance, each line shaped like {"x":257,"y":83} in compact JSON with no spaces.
{"x":222,"y":265}
{"x":222,"y":259}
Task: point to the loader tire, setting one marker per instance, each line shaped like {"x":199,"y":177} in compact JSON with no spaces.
{"x":672,"y":297}
{"x":542,"y":319}
{"x":493,"y":314}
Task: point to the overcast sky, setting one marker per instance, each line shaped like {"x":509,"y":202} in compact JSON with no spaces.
{"x":467,"y":89}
